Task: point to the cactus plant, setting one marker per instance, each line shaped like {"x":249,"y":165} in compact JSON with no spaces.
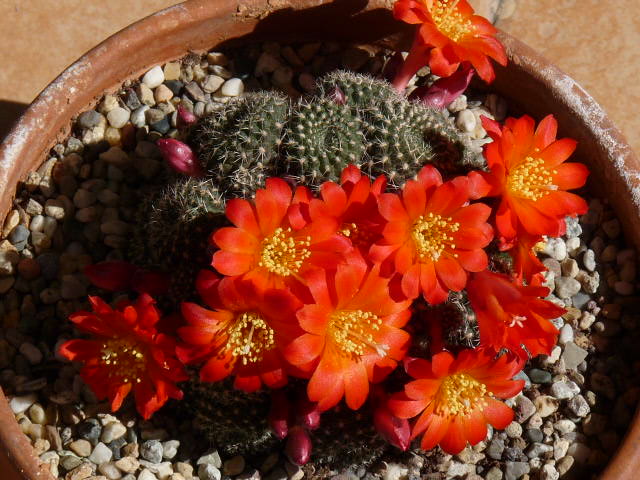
{"x":321,"y":139}
{"x":239,"y":143}
{"x":173,"y":225}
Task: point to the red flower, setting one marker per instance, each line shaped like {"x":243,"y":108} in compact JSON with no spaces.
{"x":352,"y":334}
{"x":526,"y":263}
{"x":433,"y":236}
{"x":243,"y":336}
{"x":455,"y":398}
{"x":529,"y":175}
{"x":513,"y":316}
{"x":273,"y":242}
{"x":449,"y":34}
{"x":354,"y":205}
{"x":126,"y":354}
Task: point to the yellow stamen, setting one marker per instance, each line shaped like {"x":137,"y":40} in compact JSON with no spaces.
{"x":531,"y":179}
{"x":359,"y":237}
{"x":516,"y":320}
{"x":283,"y":254}
{"x":432,"y":235}
{"x":124,"y":359}
{"x":249,"y":337}
{"x":459,"y":394}
{"x":353,"y":332}
{"x":449,"y":20}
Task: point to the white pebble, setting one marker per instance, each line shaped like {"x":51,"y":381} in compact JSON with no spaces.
{"x":232,"y":87}
{"x":22,"y":403}
{"x":146,"y":475}
{"x":566,"y":334}
{"x":466,"y":121}
{"x":153,"y":77}
{"x":100,"y":454}
{"x":112,"y":431}
{"x":118,"y":117}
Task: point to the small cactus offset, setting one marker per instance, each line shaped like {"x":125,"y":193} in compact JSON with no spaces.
{"x":234,"y":421}
{"x":321,"y":139}
{"x":239,"y":143}
{"x":172,"y":231}
{"x":346,"y":438}
{"x":401,"y":135}
{"x":460,"y":327}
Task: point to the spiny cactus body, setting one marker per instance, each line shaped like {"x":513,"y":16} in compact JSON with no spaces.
{"x":321,"y":139}
{"x":239,"y":143}
{"x":172,"y":231}
{"x":346,"y":438}
{"x":235,"y":421}
{"x":401,"y":135}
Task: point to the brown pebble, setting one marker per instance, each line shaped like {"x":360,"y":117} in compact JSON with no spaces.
{"x":54,"y":438}
{"x":80,"y":472}
{"x":29,"y":268}
{"x":131,"y":450}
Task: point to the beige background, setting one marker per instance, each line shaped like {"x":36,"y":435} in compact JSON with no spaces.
{"x":597,"y":42}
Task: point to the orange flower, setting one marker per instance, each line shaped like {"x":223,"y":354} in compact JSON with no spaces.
{"x":455,"y":397}
{"x":433,"y":235}
{"x":513,"y":316}
{"x":353,"y":334}
{"x":354,"y":205}
{"x":243,"y":336}
{"x":272,"y":242}
{"x":449,"y":34}
{"x":127,"y":354}
{"x":529,"y":175}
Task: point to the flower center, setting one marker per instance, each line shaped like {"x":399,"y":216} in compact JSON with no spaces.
{"x":531,"y":180}
{"x":249,"y":338}
{"x":459,"y":394}
{"x":359,"y":237}
{"x":283,"y":254}
{"x":432,"y":235}
{"x":352,"y":331}
{"x":124,"y":359}
{"x":449,"y":20}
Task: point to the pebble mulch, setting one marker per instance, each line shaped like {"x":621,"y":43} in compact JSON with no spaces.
{"x":78,"y":208}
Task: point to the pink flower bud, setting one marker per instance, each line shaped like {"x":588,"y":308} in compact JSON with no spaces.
{"x":279,"y":414}
{"x":185,"y":117}
{"x":153,"y":283}
{"x":179,"y":157}
{"x":337,"y":95}
{"x":394,"y":430}
{"x":298,"y":447}
{"x":113,"y":275}
{"x":446,"y":90}
{"x":307,"y":413}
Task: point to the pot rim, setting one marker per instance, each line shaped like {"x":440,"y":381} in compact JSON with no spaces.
{"x":71,"y":93}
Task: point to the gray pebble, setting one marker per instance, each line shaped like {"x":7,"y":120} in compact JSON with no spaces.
{"x":564,"y":390}
{"x":212,"y":83}
{"x":90,"y":119}
{"x":566,"y":334}
{"x":515,"y":470}
{"x":495,"y":448}
{"x":534,"y":435}
{"x":539,"y":376}
{"x":19,"y":237}
{"x":195,"y":92}
{"x":151,"y":450}
{"x":538,"y":449}
{"x":578,"y":406}
{"x":573,"y":355}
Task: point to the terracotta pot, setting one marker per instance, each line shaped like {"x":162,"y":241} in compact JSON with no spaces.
{"x":529,"y":82}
